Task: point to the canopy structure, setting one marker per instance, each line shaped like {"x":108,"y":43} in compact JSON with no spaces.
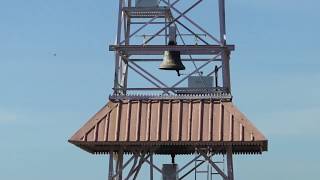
{"x":198,"y":119}
{"x":169,"y":125}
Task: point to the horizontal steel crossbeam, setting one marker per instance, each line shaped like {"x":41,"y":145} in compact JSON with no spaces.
{"x":159,"y":49}
{"x":160,"y":60}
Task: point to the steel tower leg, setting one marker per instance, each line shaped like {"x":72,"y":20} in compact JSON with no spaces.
{"x":110,"y":176}
{"x":151,"y":168}
{"x":121,"y":64}
{"x":119,"y":165}
{"x":117,"y":56}
{"x":230,"y":163}
{"x":225,"y":55}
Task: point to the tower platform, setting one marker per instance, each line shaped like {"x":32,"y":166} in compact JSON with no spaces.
{"x":147,"y":12}
{"x":166,"y":125}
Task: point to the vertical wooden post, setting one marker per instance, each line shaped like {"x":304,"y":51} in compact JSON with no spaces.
{"x":230,"y":163}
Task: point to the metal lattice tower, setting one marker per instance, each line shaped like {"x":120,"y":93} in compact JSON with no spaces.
{"x":152,"y":114}
{"x":215,"y":49}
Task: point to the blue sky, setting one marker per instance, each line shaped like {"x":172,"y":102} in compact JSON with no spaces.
{"x":44,"y":98}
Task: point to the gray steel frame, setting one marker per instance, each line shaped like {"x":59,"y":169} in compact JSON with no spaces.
{"x":140,"y":158}
{"x":124,"y":59}
{"x":125,"y":52}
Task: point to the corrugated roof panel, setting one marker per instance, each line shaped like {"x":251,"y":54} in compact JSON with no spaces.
{"x":126,"y":123}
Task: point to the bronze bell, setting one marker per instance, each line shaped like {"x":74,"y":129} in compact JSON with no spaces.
{"x":172,"y":60}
